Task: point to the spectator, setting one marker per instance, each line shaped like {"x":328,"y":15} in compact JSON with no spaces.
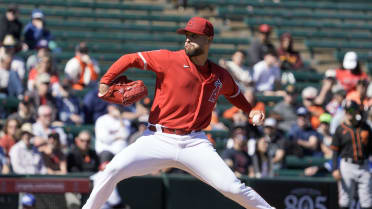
{"x":35,"y":30}
{"x":44,"y":66}
{"x":359,"y":95}
{"x":4,"y":163}
{"x":53,"y":157}
{"x":266,"y":73}
{"x":237,"y":157}
{"x":10,"y":83}
{"x":262,"y":160}
{"x":277,"y":143}
{"x":9,"y":47}
{"x":237,"y":69}
{"x":10,"y":24}
{"x":338,"y":95}
{"x":289,"y":58}
{"x":93,"y":106}
{"x":43,"y":50}
{"x":82,"y":69}
{"x":43,"y":126}
{"x":24,"y":156}
{"x":28,"y":201}
{"x":9,"y":138}
{"x":258,"y":47}
{"x":25,"y":113}
{"x":42,"y":95}
{"x":81,"y":158}
{"x":328,"y":83}
{"x":323,"y":130}
{"x":338,"y":117}
{"x":309,"y":95}
{"x":285,"y":111}
{"x":68,"y":105}
{"x":351,"y":72}
{"x":304,"y":140}
{"x":112,"y":131}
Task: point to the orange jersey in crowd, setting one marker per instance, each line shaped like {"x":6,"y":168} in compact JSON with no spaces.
{"x":185,"y":94}
{"x":34,"y":73}
{"x":349,"y":80}
{"x":356,"y":97}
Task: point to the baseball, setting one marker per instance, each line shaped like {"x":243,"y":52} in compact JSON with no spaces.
{"x":256,"y":119}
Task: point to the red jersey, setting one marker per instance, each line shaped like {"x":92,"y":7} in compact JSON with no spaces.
{"x":349,"y":80}
{"x":185,"y":95}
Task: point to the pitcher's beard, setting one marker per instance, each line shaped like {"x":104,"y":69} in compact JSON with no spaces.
{"x":193,"y":52}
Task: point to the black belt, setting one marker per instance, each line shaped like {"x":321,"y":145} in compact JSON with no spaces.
{"x":351,"y":160}
{"x":173,"y":131}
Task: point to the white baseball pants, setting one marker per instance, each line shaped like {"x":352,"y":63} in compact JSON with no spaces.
{"x":192,"y":153}
{"x":355,"y":174}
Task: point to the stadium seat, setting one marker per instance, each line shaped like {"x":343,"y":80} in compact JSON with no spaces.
{"x":151,"y":38}
{"x":362,"y":56}
{"x":75,"y":129}
{"x":338,"y":45}
{"x":240,"y":13}
{"x":319,"y":25}
{"x":92,"y":5}
{"x":105,"y":27}
{"x":9,"y":103}
{"x":289,"y":172}
{"x":312,"y":5}
{"x":295,"y":162}
{"x":355,"y":36}
{"x":307,"y":76}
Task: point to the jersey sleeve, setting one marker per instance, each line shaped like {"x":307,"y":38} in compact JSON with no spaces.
{"x":150,"y":60}
{"x":155,"y":61}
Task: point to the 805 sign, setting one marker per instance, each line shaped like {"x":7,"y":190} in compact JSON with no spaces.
{"x":305,"y":202}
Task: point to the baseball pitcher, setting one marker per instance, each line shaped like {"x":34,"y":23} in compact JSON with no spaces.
{"x":187,"y":89}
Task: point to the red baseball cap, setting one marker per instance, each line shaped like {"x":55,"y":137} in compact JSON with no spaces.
{"x":199,"y":26}
{"x":264,"y":28}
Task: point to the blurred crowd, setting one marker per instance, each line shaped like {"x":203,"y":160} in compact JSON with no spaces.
{"x":34,"y":139}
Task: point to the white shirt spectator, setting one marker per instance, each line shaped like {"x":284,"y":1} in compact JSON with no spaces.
{"x":26,"y":161}
{"x":239,"y":72}
{"x":18,"y":65}
{"x":73,"y":70}
{"x":4,"y":78}
{"x":111,"y":134}
{"x":265,"y":76}
{"x":38,"y":130}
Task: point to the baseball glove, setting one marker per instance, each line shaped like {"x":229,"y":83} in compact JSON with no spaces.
{"x":124,"y":91}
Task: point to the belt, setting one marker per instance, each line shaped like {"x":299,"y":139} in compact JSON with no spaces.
{"x":173,"y":131}
{"x":351,"y":160}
